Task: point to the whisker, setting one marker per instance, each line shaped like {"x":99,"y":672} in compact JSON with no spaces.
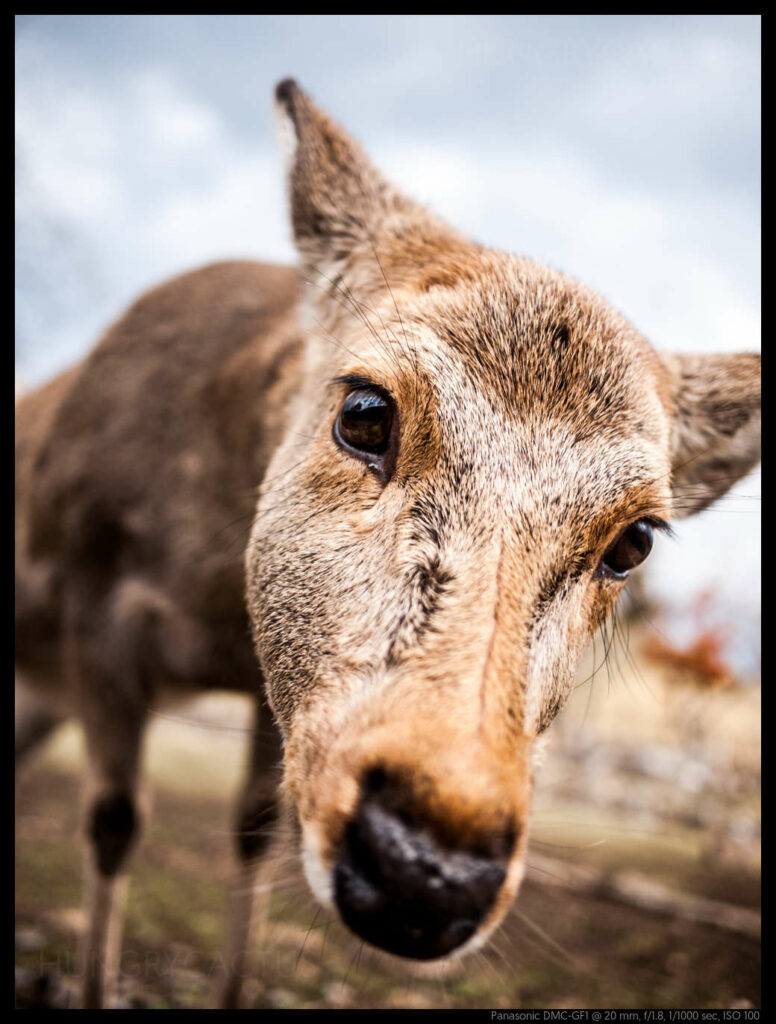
{"x":304,"y":943}
{"x":198,"y":722}
{"x":552,"y":943}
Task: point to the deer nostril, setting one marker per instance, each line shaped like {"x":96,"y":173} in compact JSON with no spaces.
{"x":403,"y":890}
{"x":375,"y":781}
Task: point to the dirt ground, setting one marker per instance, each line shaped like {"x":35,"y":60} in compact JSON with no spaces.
{"x":642,"y":890}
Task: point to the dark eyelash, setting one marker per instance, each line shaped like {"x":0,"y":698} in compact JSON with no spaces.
{"x":354,"y":380}
{"x":661,"y":525}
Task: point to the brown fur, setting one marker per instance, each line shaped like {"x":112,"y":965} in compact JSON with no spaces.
{"x":428,"y":625}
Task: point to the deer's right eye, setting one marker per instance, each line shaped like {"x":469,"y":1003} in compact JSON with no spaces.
{"x":365,"y":425}
{"x":365,"y":422}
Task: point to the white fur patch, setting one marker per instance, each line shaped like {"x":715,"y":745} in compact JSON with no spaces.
{"x":318,"y":878}
{"x":285,"y":133}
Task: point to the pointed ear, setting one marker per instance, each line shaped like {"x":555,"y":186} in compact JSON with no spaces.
{"x":716,"y":425}
{"x":350,"y":224}
{"x":338,"y":198}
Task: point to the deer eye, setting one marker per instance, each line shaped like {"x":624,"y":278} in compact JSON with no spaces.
{"x":363,"y":427}
{"x":629,"y":549}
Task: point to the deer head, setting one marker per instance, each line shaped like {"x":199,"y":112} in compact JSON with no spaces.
{"x":479,"y":453}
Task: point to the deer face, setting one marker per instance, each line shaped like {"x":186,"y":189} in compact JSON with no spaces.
{"x":480,"y":452}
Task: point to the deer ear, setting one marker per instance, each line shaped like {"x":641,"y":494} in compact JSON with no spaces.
{"x":338,"y":198}
{"x":716,"y":425}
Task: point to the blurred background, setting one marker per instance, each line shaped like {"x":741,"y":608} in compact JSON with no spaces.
{"x":622,"y":150}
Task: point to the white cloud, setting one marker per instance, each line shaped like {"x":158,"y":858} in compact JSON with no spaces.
{"x":170,"y":119}
{"x":677,"y":77}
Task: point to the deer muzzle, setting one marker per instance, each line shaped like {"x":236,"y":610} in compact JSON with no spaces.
{"x":404,"y":885}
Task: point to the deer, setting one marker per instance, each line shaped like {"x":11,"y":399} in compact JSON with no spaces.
{"x":450,"y":459}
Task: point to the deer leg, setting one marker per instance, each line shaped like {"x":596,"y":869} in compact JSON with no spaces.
{"x":112,"y":825}
{"x":250,"y":892}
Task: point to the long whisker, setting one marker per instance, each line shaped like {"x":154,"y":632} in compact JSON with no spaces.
{"x":552,"y":943}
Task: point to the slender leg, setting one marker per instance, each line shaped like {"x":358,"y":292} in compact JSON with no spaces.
{"x":101,"y":951}
{"x":113,"y":745}
{"x":256,"y":814}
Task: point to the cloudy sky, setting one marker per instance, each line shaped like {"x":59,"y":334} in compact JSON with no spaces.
{"x":622,"y":150}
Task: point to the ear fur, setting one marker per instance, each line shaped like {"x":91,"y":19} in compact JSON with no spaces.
{"x":716,"y":425}
{"x":338,"y":198}
{"x":350,"y":224}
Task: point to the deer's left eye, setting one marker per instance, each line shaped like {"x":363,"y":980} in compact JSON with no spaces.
{"x":628,"y":550}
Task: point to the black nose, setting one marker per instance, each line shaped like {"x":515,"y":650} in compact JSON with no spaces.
{"x":401,"y":888}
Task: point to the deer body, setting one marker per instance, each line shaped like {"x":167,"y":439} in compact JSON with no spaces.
{"x":106,"y":630}
{"x":458,"y":456}
{"x":192,"y":385}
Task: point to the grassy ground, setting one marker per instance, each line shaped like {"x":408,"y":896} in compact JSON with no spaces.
{"x":642,"y":889}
